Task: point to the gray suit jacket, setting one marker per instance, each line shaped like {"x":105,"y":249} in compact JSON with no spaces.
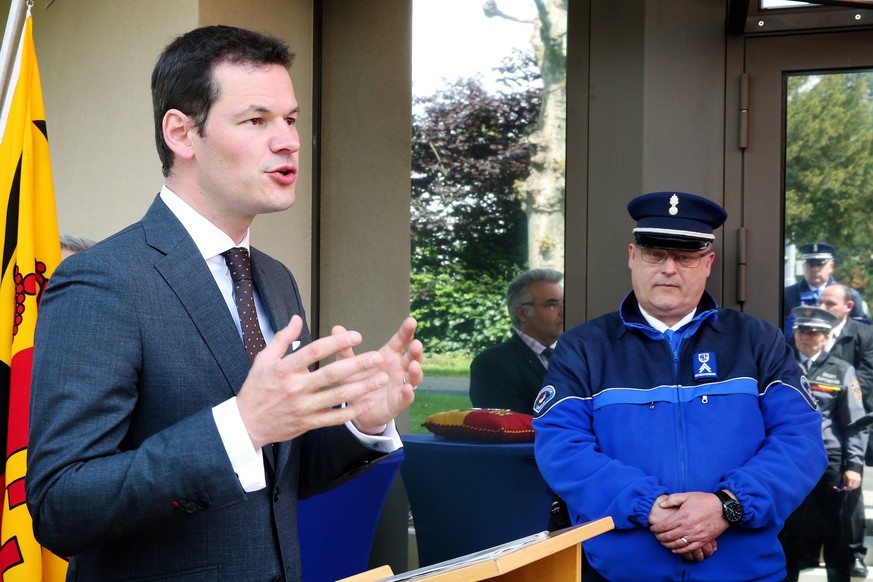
{"x":127,"y":473}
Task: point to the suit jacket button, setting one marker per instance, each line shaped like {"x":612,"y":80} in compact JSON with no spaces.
{"x":276,"y":494}
{"x":191,"y":507}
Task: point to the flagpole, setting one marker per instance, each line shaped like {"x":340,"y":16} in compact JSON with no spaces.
{"x":11,"y":38}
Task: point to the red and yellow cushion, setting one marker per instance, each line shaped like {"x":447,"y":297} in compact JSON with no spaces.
{"x":494,"y":425}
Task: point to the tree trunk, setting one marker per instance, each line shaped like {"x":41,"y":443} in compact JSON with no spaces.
{"x":543,"y":191}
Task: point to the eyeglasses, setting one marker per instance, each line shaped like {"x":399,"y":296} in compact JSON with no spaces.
{"x":659,"y":257}
{"x":550,"y":304}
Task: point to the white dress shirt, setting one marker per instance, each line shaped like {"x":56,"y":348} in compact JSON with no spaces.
{"x":247,"y":461}
{"x":835,"y":333}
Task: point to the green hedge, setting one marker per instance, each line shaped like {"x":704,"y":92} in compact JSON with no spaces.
{"x":457,"y":313}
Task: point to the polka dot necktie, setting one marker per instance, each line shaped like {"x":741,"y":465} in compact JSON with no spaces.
{"x":240,"y":267}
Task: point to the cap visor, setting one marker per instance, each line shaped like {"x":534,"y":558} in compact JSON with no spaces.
{"x":813,"y":327}
{"x":672,"y":244}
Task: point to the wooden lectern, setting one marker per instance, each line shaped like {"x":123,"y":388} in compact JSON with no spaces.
{"x":542,"y":556}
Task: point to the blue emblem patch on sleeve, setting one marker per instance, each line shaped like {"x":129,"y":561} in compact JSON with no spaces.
{"x":705,"y":366}
{"x":543,"y":398}
{"x":806,"y":390}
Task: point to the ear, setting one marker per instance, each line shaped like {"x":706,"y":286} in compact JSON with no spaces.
{"x":177,"y":129}
{"x":520,"y":314}
{"x":630,"y":256}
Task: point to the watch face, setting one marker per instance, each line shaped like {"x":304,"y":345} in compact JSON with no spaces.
{"x":733,"y":511}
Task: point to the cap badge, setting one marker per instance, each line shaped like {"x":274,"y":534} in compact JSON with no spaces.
{"x":815,"y":247}
{"x":674,"y":202}
{"x":807,"y":312}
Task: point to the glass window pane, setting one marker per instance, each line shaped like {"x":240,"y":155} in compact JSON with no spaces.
{"x":828,"y":187}
{"x":488,"y":157}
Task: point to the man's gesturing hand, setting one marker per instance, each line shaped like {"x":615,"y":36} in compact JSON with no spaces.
{"x":281,"y":399}
{"x":401,"y":361}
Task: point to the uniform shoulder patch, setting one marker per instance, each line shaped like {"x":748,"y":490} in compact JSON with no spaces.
{"x":856,"y":390}
{"x":544,"y":397}
{"x":806,"y":390}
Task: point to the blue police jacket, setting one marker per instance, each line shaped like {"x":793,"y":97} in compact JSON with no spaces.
{"x":624,"y":418}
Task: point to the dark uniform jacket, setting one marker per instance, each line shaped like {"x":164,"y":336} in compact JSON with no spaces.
{"x":508,"y":375}
{"x":835,"y":387}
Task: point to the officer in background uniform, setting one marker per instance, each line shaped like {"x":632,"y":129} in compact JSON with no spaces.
{"x":852,"y":341}
{"x":818,"y":268}
{"x":816,"y":524}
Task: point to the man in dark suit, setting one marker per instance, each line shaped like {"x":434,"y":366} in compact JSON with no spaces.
{"x":166,"y":441}
{"x":852,"y":341}
{"x":509,"y":375}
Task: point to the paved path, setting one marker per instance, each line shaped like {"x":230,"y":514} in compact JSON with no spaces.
{"x":819,"y":574}
{"x":455,"y":386}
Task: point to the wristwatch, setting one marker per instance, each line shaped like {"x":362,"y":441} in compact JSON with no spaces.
{"x":731,"y":510}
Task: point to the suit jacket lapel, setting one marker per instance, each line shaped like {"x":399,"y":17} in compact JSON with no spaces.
{"x":270,"y":292}
{"x":528,"y":355}
{"x":186,"y":273}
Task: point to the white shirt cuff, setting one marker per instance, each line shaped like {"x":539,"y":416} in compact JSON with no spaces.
{"x":247,"y":461}
{"x":389,"y":441}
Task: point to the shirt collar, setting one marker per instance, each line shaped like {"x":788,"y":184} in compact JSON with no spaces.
{"x":661,"y":326}
{"x":838,"y":329}
{"x":210,"y":240}
{"x":533,"y":344}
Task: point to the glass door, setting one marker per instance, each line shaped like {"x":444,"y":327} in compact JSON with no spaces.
{"x":806,"y":170}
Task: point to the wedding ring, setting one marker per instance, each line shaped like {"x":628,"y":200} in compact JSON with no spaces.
{"x":684,"y":540}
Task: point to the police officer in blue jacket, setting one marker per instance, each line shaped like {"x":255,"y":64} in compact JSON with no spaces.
{"x":818,"y":268}
{"x":686,"y":423}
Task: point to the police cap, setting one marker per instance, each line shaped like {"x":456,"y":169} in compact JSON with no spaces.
{"x":812,"y":318}
{"x":817,"y":253}
{"x":675,"y":220}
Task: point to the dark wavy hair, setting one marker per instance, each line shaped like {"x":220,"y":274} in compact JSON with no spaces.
{"x":183,"y":76}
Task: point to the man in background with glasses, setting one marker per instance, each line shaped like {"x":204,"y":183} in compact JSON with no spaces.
{"x":509,"y":375}
{"x":686,"y":423}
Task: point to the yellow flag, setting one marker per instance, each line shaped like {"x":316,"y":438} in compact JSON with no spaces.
{"x":30,"y":252}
